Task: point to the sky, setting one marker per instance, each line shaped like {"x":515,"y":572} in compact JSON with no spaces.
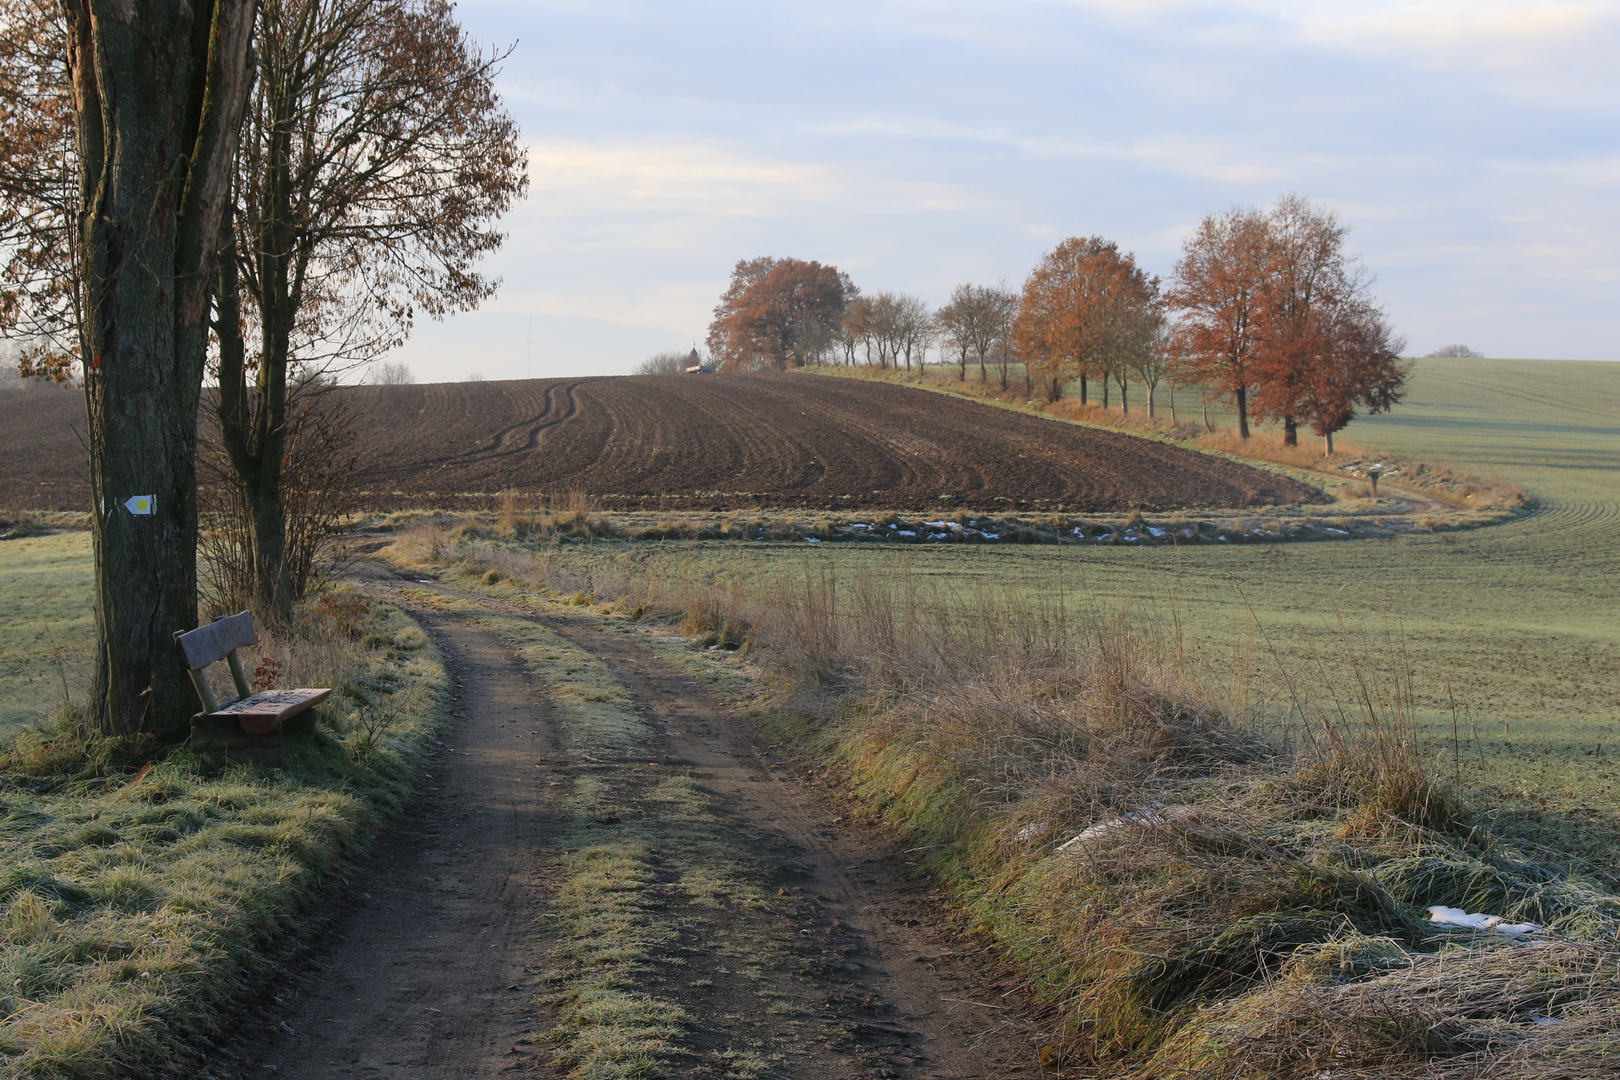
{"x":1470,"y":146}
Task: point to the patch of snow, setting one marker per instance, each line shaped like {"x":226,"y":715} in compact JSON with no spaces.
{"x":1032,"y":830}
{"x":937,"y":524}
{"x":1155,"y":532}
{"x":1534,"y":1019}
{"x":811,"y":540}
{"x":905,"y":532}
{"x":1441,"y":915}
{"x":991,"y":536}
{"x":857,"y":525}
{"x":1338,"y":532}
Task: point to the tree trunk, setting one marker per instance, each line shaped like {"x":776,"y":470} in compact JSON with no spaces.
{"x":1329,"y":451}
{"x":1124,"y":399}
{"x":1105,"y":391}
{"x":1150,"y":387}
{"x":158,"y":91}
{"x":1082,"y":388}
{"x":1209,"y":427}
{"x":1004,"y":373}
{"x":1243,"y":412}
{"x":963,"y":376}
{"x":1173,"y":419}
{"x":1290,"y":431}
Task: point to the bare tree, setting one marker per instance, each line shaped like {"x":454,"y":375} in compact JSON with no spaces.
{"x":1461,"y":352}
{"x":672,"y":362}
{"x":376,"y":158}
{"x":953,"y":323}
{"x":1151,"y":365}
{"x":392,"y":373}
{"x":913,"y":329}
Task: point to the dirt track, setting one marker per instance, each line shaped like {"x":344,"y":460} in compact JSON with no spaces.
{"x":436,"y":969}
{"x":675,"y":442}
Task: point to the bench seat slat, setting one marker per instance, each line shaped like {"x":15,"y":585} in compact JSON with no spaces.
{"x":262,"y":712}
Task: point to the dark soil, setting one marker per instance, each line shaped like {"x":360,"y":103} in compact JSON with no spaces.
{"x":436,"y":965}
{"x":673,"y":442}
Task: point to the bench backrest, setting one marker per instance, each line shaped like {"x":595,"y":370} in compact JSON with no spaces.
{"x":214,"y":642}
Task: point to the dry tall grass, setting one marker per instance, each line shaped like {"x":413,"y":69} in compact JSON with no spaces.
{"x":1166,"y":865}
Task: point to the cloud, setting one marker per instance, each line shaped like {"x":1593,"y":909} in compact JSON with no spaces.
{"x":919,"y":143}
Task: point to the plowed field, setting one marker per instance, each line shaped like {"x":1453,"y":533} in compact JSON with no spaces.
{"x":675,"y":442}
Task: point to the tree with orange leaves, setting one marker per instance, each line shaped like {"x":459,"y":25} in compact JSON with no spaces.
{"x":1218,"y":292}
{"x":1324,"y":348}
{"x":778,"y":313}
{"x":39,"y":191}
{"x":1078,"y":306}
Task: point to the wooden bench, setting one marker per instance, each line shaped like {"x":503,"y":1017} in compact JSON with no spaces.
{"x":248,"y":727}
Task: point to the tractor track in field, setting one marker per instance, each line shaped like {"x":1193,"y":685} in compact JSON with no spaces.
{"x":675,"y":442}
{"x":438,"y":960}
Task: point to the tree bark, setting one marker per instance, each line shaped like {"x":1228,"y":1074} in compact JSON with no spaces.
{"x":1082,"y":388}
{"x":1290,"y":431}
{"x":1150,"y":387}
{"x":1243,"y":412}
{"x":1329,"y":451}
{"x":159,"y":88}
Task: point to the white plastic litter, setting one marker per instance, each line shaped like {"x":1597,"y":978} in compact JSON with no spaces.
{"x":1145,"y":818}
{"x":1441,"y":915}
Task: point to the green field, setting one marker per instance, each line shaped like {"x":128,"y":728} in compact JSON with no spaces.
{"x":47,"y":623}
{"x":1513,"y":629}
{"x":1517,"y":624}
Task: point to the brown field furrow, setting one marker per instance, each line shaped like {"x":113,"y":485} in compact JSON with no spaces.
{"x":678,"y":442}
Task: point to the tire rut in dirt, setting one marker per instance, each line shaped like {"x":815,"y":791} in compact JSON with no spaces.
{"x":835,"y":974}
{"x":428,"y":973}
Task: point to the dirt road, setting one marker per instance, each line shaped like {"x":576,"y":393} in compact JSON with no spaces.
{"x":789,"y":942}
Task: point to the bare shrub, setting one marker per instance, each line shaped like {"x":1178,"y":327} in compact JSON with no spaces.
{"x":318,"y":493}
{"x":672,"y":362}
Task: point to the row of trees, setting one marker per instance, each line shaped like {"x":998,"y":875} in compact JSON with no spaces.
{"x":1264,"y":311}
{"x":267,"y":189}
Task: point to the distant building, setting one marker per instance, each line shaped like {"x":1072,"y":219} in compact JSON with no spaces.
{"x":695,"y":364}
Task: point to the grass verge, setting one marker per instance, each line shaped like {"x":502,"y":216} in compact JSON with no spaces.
{"x":1186,"y":887}
{"x":139,"y":892}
